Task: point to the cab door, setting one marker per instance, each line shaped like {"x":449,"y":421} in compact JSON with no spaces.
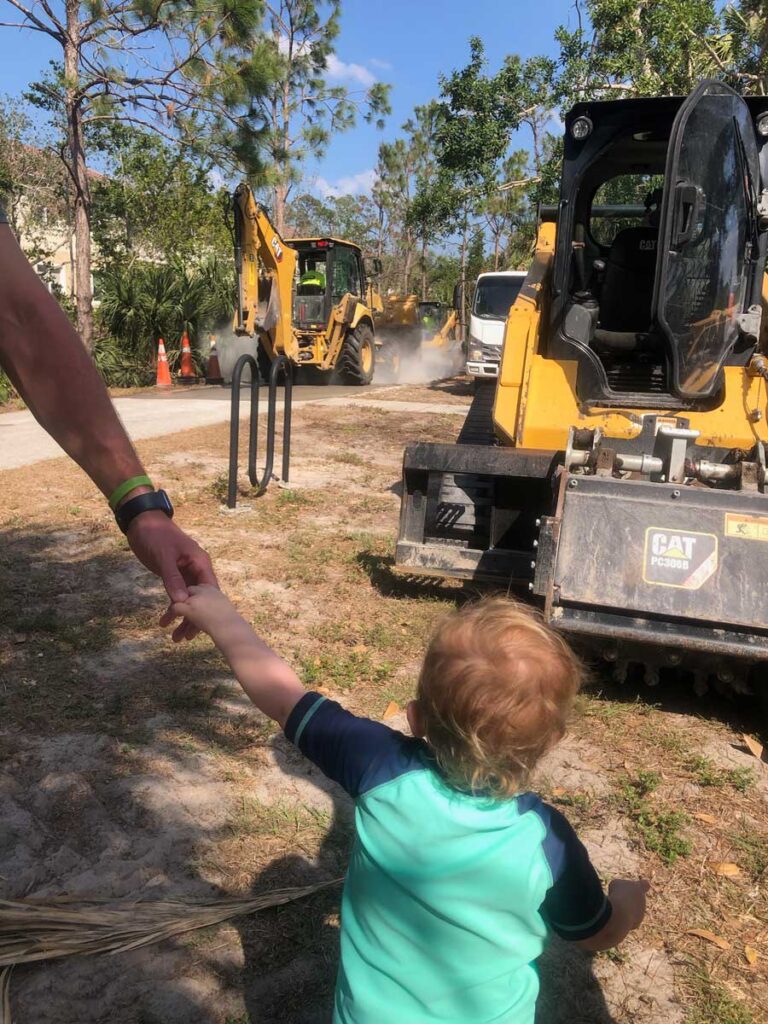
{"x":708,"y":252}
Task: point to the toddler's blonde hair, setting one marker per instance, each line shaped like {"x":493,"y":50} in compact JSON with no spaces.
{"x":494,"y":694}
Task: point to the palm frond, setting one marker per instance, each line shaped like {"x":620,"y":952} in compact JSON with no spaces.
{"x":34,"y":930}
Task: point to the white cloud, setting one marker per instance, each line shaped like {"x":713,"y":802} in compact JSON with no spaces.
{"x":381,"y":65}
{"x":353,"y":185}
{"x":216,"y":178}
{"x":338,"y":71}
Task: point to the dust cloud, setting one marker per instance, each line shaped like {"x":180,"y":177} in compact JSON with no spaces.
{"x":420,"y":365}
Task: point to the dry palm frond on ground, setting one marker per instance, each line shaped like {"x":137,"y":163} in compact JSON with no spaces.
{"x":33,"y":930}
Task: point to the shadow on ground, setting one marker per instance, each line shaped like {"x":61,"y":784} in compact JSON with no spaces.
{"x":459,"y":386}
{"x":110,"y":784}
{"x":675,"y":694}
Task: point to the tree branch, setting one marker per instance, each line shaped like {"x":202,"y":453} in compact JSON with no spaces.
{"x":37,"y":23}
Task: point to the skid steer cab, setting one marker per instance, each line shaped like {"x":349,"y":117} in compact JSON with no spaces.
{"x":625,"y":488}
{"x":307,"y":298}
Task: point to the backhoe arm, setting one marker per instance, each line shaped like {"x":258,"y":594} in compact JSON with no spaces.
{"x":265,"y":267}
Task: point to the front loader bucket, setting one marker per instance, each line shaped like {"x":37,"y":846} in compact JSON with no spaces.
{"x":469,"y":511}
{"x":653,"y":572}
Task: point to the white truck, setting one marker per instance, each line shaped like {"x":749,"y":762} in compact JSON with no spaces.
{"x":495,"y":292}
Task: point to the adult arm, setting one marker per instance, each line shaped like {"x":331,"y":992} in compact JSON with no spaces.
{"x":47,"y":363}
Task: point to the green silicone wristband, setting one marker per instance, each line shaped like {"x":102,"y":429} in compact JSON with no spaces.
{"x":120,"y":492}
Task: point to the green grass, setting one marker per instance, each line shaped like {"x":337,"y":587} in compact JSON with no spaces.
{"x":287,"y":498}
{"x":189,"y":697}
{"x":715,"y":1005}
{"x":343,"y":671}
{"x":706,"y":773}
{"x":658,"y":828}
{"x":279,"y":819}
{"x":753,"y":850}
{"x":579,"y":801}
{"x":220,"y":486}
{"x":350,"y":459}
{"x":94,"y":635}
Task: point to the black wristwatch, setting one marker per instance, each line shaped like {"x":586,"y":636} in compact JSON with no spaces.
{"x":153,"y":501}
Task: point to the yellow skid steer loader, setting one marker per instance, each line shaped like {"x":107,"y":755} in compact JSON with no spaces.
{"x":624,"y":482}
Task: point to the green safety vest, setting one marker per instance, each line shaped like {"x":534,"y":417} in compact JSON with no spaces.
{"x":313,"y":277}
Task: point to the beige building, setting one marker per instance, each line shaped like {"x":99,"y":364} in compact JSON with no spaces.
{"x":44,"y":225}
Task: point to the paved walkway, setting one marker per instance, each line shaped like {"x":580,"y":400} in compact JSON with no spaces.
{"x":24,"y":442}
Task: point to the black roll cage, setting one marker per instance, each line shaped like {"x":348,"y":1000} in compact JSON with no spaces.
{"x":647,"y":122}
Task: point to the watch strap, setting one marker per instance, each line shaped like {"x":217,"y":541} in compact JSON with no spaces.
{"x":156,"y":501}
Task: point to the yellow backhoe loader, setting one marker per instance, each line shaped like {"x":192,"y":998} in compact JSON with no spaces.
{"x":307,"y":298}
{"x":624,"y":478}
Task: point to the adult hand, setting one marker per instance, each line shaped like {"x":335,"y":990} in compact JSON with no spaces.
{"x":168,"y":552}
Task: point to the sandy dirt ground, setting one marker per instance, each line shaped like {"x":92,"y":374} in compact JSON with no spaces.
{"x":130,"y":767}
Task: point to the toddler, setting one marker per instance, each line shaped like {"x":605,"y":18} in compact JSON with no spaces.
{"x":457,"y":872}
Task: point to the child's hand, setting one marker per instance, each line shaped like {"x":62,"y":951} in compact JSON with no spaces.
{"x":207,"y":608}
{"x":628,"y":910}
{"x":629,"y":896}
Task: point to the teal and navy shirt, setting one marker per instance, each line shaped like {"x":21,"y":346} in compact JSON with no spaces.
{"x":448,"y":897}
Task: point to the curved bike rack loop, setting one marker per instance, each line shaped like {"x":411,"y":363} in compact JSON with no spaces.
{"x":279,"y":365}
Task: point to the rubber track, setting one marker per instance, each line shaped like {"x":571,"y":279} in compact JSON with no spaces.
{"x":471,"y":492}
{"x":478,"y":426}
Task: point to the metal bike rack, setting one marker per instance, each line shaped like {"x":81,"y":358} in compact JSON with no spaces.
{"x":280,"y":365}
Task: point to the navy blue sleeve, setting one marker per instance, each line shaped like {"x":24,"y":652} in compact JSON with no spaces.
{"x":355,"y":752}
{"x":576,"y":906}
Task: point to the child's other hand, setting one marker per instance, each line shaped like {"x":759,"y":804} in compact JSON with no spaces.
{"x":206,"y":607}
{"x":630,"y":896}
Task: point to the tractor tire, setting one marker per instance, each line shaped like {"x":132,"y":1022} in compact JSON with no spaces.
{"x":357,"y":359}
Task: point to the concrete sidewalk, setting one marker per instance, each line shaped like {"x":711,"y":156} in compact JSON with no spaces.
{"x":24,"y":442}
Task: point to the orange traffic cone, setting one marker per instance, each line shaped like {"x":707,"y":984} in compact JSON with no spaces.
{"x":163,"y":372}
{"x":213,"y":373}
{"x":187,"y":373}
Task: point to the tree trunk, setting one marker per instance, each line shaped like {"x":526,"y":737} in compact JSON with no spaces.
{"x":281,"y":116}
{"x":463,"y":283}
{"x":79,"y":175}
{"x":407,"y":268}
{"x":280,"y":193}
{"x":424,"y":269}
{"x":496,"y":240}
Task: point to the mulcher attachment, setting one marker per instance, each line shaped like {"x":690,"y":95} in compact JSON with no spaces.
{"x":657,"y":573}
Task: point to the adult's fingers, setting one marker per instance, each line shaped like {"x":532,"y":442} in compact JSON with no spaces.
{"x":197,"y":569}
{"x":173,"y":580}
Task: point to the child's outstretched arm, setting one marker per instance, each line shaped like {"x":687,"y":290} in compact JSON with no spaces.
{"x":268,"y":681}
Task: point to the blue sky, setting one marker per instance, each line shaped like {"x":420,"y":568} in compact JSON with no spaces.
{"x":418,"y":40}
{"x":407,"y":43}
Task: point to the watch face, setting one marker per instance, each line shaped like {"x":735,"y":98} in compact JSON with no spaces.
{"x":166,"y":507}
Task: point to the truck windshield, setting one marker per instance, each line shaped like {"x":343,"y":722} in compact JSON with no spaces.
{"x":494,"y":296}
